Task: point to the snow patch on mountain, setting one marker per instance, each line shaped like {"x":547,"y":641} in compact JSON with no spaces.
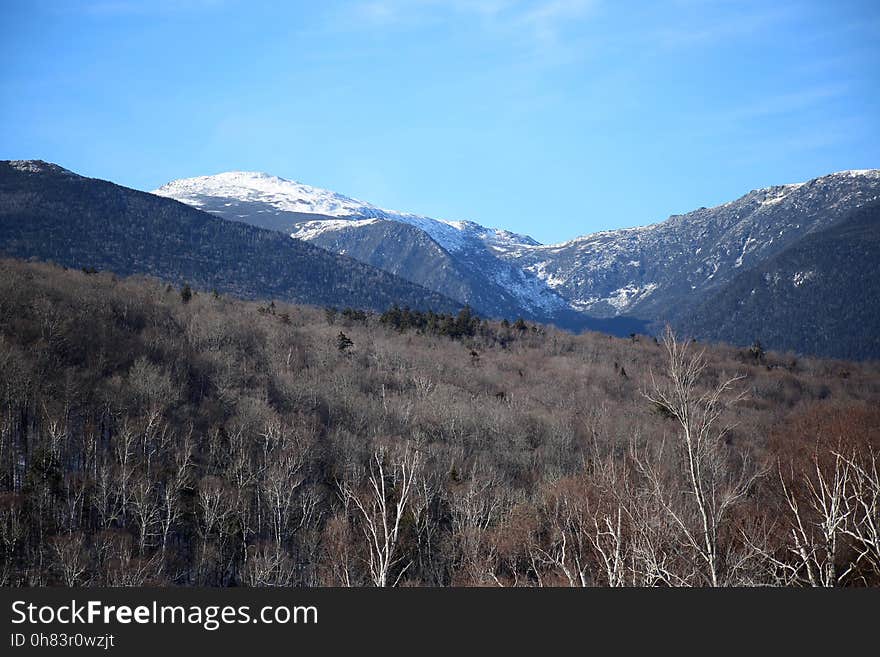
{"x":309,"y":230}
{"x":624,"y":297}
{"x":530,"y":291}
{"x":539,"y":269}
{"x":619,"y":299}
{"x":776,"y":195}
{"x":802,"y":277}
{"x":39,"y":166}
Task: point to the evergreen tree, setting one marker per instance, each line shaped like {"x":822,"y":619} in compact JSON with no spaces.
{"x":343,"y":342}
{"x":756,"y":351}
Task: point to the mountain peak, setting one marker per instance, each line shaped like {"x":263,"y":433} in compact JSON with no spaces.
{"x":242,"y":177}
{"x":874,"y":173}
{"x":260,"y":187}
{"x":239,"y":194}
{"x":37,"y":166}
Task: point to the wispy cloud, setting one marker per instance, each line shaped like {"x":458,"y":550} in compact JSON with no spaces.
{"x":786,"y":103}
{"x":541,"y":20}
{"x":409,"y":13}
{"x":800,"y":141}
{"x":146,"y":7}
{"x":692,"y":30}
{"x":545,"y":19}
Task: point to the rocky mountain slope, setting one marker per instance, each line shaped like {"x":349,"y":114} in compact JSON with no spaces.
{"x":819,"y":296}
{"x":660,"y":271}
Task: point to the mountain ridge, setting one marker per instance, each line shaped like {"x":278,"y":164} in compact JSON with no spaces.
{"x":333,"y":204}
{"x":642,"y":271}
{"x":50,"y":213}
{"x":622,"y":281}
{"x":453,"y":258}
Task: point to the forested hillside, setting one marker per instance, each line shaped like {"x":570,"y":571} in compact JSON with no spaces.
{"x":156,"y":435}
{"x":50,"y":213}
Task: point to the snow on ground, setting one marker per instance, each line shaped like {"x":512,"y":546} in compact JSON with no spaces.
{"x":802,"y":277}
{"x":539,"y":269}
{"x":626,"y":296}
{"x":529,"y":290}
{"x":311,"y":229}
{"x":739,"y":261}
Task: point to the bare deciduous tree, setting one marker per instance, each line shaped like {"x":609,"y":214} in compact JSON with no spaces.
{"x":475,"y":507}
{"x":70,"y":557}
{"x":712,"y":485}
{"x":146,"y":510}
{"x":862,"y":503}
{"x":840,"y":511}
{"x":170,"y":490}
{"x":381,"y":508}
{"x":281,"y":481}
{"x":817,"y":539}
{"x":268,"y":565}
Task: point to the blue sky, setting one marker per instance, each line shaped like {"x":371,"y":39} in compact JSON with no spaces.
{"x":549,"y":117}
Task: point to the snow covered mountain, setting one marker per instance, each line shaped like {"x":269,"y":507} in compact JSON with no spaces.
{"x":242,"y":194}
{"x":658,"y":271}
{"x":655,"y":272}
{"x":458,"y":257}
